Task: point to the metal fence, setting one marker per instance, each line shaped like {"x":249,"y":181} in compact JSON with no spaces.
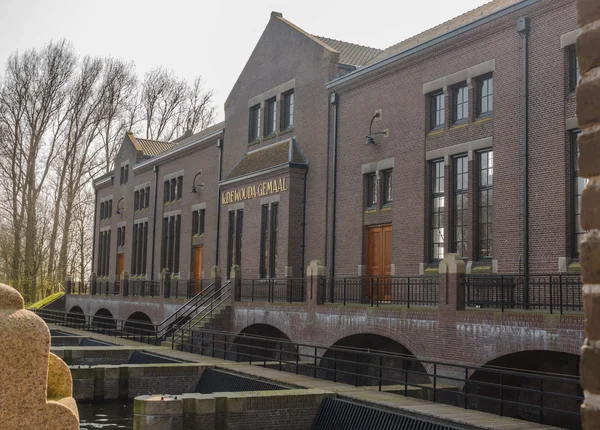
{"x":106,"y":288}
{"x":141,"y":288}
{"x":375,"y":291}
{"x":79,"y":287}
{"x":272,"y":290}
{"x":553,"y":293}
{"x":185,"y":288}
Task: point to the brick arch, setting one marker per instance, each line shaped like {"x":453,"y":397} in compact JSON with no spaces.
{"x":104,"y":319}
{"x":255,"y":348}
{"x":139,"y":323}
{"x":76,"y":316}
{"x":287,"y":336}
{"x":503,"y":349}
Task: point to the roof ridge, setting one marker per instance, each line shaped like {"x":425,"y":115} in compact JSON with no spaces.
{"x":343,"y":41}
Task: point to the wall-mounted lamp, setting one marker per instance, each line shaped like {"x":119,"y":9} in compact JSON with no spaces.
{"x":194,"y":186}
{"x":370,"y":139}
{"x":120,"y":209}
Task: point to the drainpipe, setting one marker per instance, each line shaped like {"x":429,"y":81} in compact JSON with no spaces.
{"x":220,"y":146}
{"x":334,"y":100}
{"x":94,"y":237}
{"x":154,"y":221}
{"x":304,"y":224}
{"x":523,"y":26}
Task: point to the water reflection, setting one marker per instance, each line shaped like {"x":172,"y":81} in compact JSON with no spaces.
{"x":105,"y":415}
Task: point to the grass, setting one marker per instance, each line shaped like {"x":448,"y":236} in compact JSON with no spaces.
{"x":40,"y":304}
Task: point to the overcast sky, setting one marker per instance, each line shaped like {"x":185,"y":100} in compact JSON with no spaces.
{"x":208,"y":38}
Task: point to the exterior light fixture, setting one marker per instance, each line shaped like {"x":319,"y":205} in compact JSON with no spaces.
{"x":120,"y":210}
{"x":195,"y":186}
{"x":370,"y":139}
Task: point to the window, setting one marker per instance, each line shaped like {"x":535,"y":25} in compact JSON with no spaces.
{"x":234,"y":239}
{"x":485,"y":96}
{"x":120,"y":237}
{"x":171,"y":241}
{"x":264,"y":233}
{"x":578,"y":186}
{"x":273,"y":240}
{"x":461,"y":205}
{"x":254,"y":123}
{"x":387,"y":187}
{"x":103,"y":253}
{"x":271,"y":117}
{"x":574,"y":73}
{"x":460,"y":104}
{"x":136,"y":200}
{"x":288,"y":110}
{"x":147,"y":199}
{"x":437,"y":210}
{"x":438,"y":110}
{"x":105,"y":210}
{"x":371,"y":190}
{"x":485,"y":202}
{"x":140,"y":248}
{"x":198,"y":217}
{"x":124,"y":174}
{"x":173,"y":190}
{"x":141,"y":199}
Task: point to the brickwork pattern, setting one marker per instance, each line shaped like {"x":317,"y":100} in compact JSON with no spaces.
{"x":588,"y":113}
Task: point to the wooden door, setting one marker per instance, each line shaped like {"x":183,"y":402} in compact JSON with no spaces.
{"x":198,"y":264}
{"x":379,"y":261}
{"x":120,"y":265}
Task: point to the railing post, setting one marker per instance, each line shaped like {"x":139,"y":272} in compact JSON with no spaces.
{"x":236,"y":282}
{"x":215,"y":277}
{"x":166,"y":283}
{"x":68,"y":285}
{"x":345,"y":290}
{"x":408,"y":293}
{"x":93,"y":281}
{"x":560,"y":297}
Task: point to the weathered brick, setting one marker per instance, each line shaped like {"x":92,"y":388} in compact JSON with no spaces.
{"x":591,"y":307}
{"x":590,"y":418}
{"x":590,"y":205}
{"x":587,"y":47}
{"x":590,"y":369}
{"x":588,"y":98}
{"x":589,"y":152}
{"x":590,"y":256}
{"x":588,"y":11}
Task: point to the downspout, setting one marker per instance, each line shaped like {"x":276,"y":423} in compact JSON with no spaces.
{"x":220,"y":146}
{"x":304,"y":224}
{"x":334,"y":100}
{"x":154,"y":221}
{"x":94,"y":237}
{"x":523,"y":26}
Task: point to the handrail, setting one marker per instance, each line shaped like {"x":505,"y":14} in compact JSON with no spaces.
{"x":219,"y":297}
{"x":189,"y":307}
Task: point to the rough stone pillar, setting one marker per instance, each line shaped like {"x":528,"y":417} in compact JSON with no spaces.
{"x":236,"y":282}
{"x":68,"y":285}
{"x":216,"y":277}
{"x":36,"y":385}
{"x":588,"y":115}
{"x":125,"y":283}
{"x":158,"y":413}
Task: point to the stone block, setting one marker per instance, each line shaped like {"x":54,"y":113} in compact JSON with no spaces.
{"x":588,"y":11}
{"x":590,"y":418}
{"x":588,"y":98}
{"x":589,"y":152}
{"x":452,"y":263}
{"x":590,"y":369}
{"x":591,"y":306}
{"x":590,"y":257}
{"x":590,"y":205}
{"x":587,"y":47}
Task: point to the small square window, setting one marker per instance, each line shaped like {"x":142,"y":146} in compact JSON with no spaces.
{"x":574,"y":73}
{"x":254,"y":123}
{"x":371,"y":190}
{"x":438,"y":110}
{"x":271,"y":117}
{"x":387,"y":187}
{"x":485,"y":96}
{"x":288,"y":109}
{"x":460,"y":104}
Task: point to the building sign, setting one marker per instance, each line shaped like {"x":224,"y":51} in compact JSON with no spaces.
{"x":252,"y":191}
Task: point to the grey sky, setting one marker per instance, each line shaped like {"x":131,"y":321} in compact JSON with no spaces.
{"x":208,"y":38}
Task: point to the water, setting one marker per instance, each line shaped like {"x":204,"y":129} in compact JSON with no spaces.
{"x":105,"y":415}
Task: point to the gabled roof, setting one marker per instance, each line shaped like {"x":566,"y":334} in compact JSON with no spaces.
{"x":149,"y":148}
{"x":196,"y":136}
{"x":446,"y":27}
{"x":264,"y":158}
{"x":351,"y":54}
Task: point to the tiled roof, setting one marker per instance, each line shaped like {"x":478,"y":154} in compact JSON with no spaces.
{"x":453,"y":24}
{"x":266,"y":157}
{"x":351,"y":53}
{"x":150,"y":148}
{"x":199,"y":135}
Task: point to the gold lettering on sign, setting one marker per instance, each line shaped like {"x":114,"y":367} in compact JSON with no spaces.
{"x":252,"y":191}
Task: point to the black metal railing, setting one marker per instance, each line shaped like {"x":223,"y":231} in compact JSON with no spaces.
{"x":272,"y":290}
{"x":185,"y":288}
{"x":553,"y":293}
{"x":376,"y":291}
{"x":79,"y":287}
{"x":141,"y":288}
{"x":533,"y":396}
{"x":106,"y":288}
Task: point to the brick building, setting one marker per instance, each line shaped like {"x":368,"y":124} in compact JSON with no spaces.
{"x":442,"y":169}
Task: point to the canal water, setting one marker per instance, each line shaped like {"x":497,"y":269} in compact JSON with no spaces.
{"x":105,"y":415}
